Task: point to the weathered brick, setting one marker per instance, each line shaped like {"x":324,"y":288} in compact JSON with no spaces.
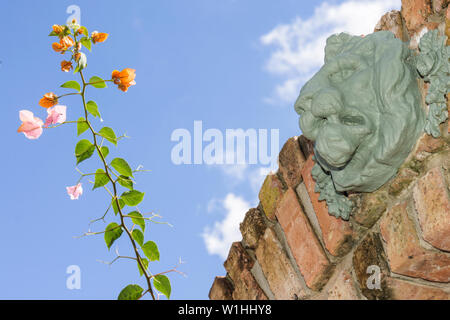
{"x":253,"y":227}
{"x":402,"y":181}
{"x":222,"y":289}
{"x":404,"y":252}
{"x":371,"y":208}
{"x":370,"y":253}
{"x":270,"y":194}
{"x":277,"y":268}
{"x":416,"y":13}
{"x":238,"y":266}
{"x":343,"y":288}
{"x":291,"y":161}
{"x":427,"y":145}
{"x":305,"y":247}
{"x":307,"y":146}
{"x":246,"y":288}
{"x":433,"y":207}
{"x":405,"y":290}
{"x":337,"y":233}
{"x":394,"y":22}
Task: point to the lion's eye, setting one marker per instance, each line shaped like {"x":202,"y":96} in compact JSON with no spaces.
{"x":341,"y":74}
{"x":350,"y":120}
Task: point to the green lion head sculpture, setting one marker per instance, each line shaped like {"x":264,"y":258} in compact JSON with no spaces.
{"x":363,"y":109}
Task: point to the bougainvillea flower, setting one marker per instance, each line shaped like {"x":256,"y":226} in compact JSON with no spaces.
{"x":56,"y":114}
{"x":49,"y":100}
{"x":31,"y":126}
{"x":75,"y":191}
{"x":57,"y":29}
{"x":64,"y":44}
{"x":58,"y":47}
{"x":124,"y":79}
{"x":66,"y":66}
{"x":67,"y":42}
{"x":98,"y":36}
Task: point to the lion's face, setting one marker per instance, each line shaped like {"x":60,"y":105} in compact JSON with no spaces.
{"x":362,"y":109}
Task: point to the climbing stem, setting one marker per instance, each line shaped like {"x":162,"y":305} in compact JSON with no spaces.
{"x":115,"y":197}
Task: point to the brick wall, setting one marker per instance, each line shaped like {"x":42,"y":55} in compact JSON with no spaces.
{"x":293,"y":249}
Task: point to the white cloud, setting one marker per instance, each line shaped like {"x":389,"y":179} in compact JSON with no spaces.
{"x":222,"y":234}
{"x":299,"y":46}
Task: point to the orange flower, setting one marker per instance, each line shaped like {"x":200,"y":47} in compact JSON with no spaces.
{"x":49,"y":100}
{"x":58,"y":47}
{"x":77,"y":56}
{"x":67,"y":42}
{"x":124,"y":79}
{"x":57,"y":29}
{"x":66,"y":66}
{"x":64,"y":44}
{"x":98,"y":36}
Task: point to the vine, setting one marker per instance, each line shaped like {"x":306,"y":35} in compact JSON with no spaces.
{"x":112,"y":175}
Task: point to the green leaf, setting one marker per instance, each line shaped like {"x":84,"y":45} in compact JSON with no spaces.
{"x":84,"y":150}
{"x":132,"y":198}
{"x":125,"y":182}
{"x":114,"y":205}
{"x":53,"y":34}
{"x":130,"y":292}
{"x":86,"y":42}
{"x":138,"y":236}
{"x":92,"y":108}
{"x":97,"y":82}
{"x":162,"y":284}
{"x":145,"y":263}
{"x":112,"y":232}
{"x":151,"y":250}
{"x":139,"y":219}
{"x":101,"y":178}
{"x":122,"y":167}
{"x":108,"y":134}
{"x":82,"y":126}
{"x":72,"y":84}
{"x":105,"y":151}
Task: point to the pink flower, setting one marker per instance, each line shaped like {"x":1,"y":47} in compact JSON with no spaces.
{"x":56,"y":114}
{"x":75,"y":191}
{"x":31,"y":126}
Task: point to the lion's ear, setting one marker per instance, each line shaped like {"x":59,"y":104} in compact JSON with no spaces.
{"x":335,"y":45}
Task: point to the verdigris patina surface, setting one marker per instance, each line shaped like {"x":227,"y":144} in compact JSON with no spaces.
{"x":364,"y":112}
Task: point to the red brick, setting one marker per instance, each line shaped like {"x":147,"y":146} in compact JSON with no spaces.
{"x":394,"y":22}
{"x":291,"y":161}
{"x":343,"y":288}
{"x":404,"y":252}
{"x":277,"y":268}
{"x":337,"y":233}
{"x":404,"y":290}
{"x":433,"y":207}
{"x":222,"y":289}
{"x":305,"y":247}
{"x":416,"y":13}
{"x":426,"y":145}
{"x":270,"y":194}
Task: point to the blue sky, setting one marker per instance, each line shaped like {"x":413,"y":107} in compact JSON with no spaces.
{"x":231,"y":64}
